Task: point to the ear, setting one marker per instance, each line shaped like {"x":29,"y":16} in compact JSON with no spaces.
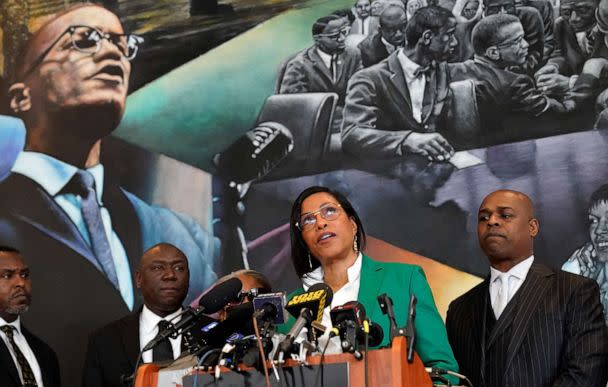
{"x":353,"y":223}
{"x":138,"y":279}
{"x":426,"y":37}
{"x":493,"y":53}
{"x":534,"y":227}
{"x":19,"y":97}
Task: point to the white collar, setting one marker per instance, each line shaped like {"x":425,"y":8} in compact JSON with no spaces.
{"x":519,"y":271}
{"x":409,"y":66}
{"x":15,"y":324}
{"x":316,"y":276}
{"x":149,"y":320}
{"x":53,"y":174}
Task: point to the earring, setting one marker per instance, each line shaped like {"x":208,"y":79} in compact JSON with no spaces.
{"x":355,"y":245}
{"x":309,"y":262}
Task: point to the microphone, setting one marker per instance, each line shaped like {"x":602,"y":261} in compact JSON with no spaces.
{"x":303,"y":319}
{"x":410,"y":331}
{"x":271,"y":307}
{"x":375,"y":335}
{"x":220,"y":295}
{"x":349,"y":319}
{"x":317,"y":298}
{"x":211,"y":302}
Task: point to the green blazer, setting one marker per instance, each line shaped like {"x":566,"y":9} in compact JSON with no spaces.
{"x":399,"y":280}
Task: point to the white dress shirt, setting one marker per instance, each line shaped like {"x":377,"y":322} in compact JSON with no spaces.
{"x":148,"y":329}
{"x":25,"y":348}
{"x":415,"y":84}
{"x":53,"y":175}
{"x":516,"y":277}
{"x":348,"y":292}
{"x":363,"y":25}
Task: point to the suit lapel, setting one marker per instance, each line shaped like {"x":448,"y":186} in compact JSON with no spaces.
{"x":529,"y":296}
{"x":30,"y":203}
{"x":7,"y":360}
{"x":372,"y":276}
{"x":398,"y":78}
{"x":319,"y":65}
{"x":130,"y":336}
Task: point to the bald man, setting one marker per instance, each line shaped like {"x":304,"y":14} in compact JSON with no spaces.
{"x":526,"y":324}
{"x":162,"y":276}
{"x":68,"y":215}
{"x":389,"y":37}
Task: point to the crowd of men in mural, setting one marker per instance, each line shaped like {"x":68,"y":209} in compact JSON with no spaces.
{"x":392,"y":64}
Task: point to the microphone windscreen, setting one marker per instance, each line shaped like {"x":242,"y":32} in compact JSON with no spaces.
{"x":218,"y":297}
{"x":376,"y":334}
{"x":323,"y":286}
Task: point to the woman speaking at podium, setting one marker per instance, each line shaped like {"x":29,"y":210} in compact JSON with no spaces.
{"x":326,"y":239}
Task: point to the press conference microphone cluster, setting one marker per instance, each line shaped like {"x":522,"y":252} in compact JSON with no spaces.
{"x":211,"y":302}
{"x":351,"y":321}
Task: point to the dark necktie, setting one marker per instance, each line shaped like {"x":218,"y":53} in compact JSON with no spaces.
{"x":163,"y":351}
{"x":26,"y":371}
{"x":333,"y":68}
{"x":83,"y":184}
{"x":363,"y":26}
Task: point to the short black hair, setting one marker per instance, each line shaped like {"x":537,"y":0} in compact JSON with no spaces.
{"x":319,"y":26}
{"x":347,"y":13}
{"x":8,"y":249}
{"x":485,"y":33}
{"x":299,"y":251}
{"x":600,"y":195}
{"x":256,"y":275}
{"x":426,"y":18}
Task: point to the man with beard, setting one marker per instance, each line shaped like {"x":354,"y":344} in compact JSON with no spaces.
{"x":112,"y":352}
{"x":499,"y":43}
{"x":526,"y":324}
{"x":591,"y":259}
{"x":59,"y":206}
{"x":389,"y":38}
{"x":25,"y":360}
{"x":396,"y":107}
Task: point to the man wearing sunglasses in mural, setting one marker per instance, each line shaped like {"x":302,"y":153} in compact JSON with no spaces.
{"x":77,"y":225}
{"x":325,"y":67}
{"x":398,"y":106}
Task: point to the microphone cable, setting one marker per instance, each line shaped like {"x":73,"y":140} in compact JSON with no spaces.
{"x":261,"y":349}
{"x":365,"y":338}
{"x":332,"y":333}
{"x":435,"y":372}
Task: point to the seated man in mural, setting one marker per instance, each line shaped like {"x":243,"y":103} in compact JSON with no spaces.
{"x":325,"y":67}
{"x":389,"y":37}
{"x":532,"y":22}
{"x":591,"y":259}
{"x":74,"y":222}
{"x":499,"y":44}
{"x":577,"y":39}
{"x":398,"y":106}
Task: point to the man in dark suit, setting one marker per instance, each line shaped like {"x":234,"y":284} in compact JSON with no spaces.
{"x":526,"y":324}
{"x":325,"y":67}
{"x":59,"y":207}
{"x":396,"y":107}
{"x":499,"y":44}
{"x":389,"y":38}
{"x":112,"y":352}
{"x":25,"y":360}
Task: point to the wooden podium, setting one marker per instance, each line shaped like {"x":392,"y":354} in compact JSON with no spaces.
{"x":386,"y":368}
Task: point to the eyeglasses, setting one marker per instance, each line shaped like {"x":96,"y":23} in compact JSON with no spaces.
{"x":336,"y":35}
{"x":88,"y":40}
{"x":248,"y":296}
{"x":507,"y":8}
{"x":581,"y":10}
{"x":516,"y":42}
{"x":328,"y":211}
